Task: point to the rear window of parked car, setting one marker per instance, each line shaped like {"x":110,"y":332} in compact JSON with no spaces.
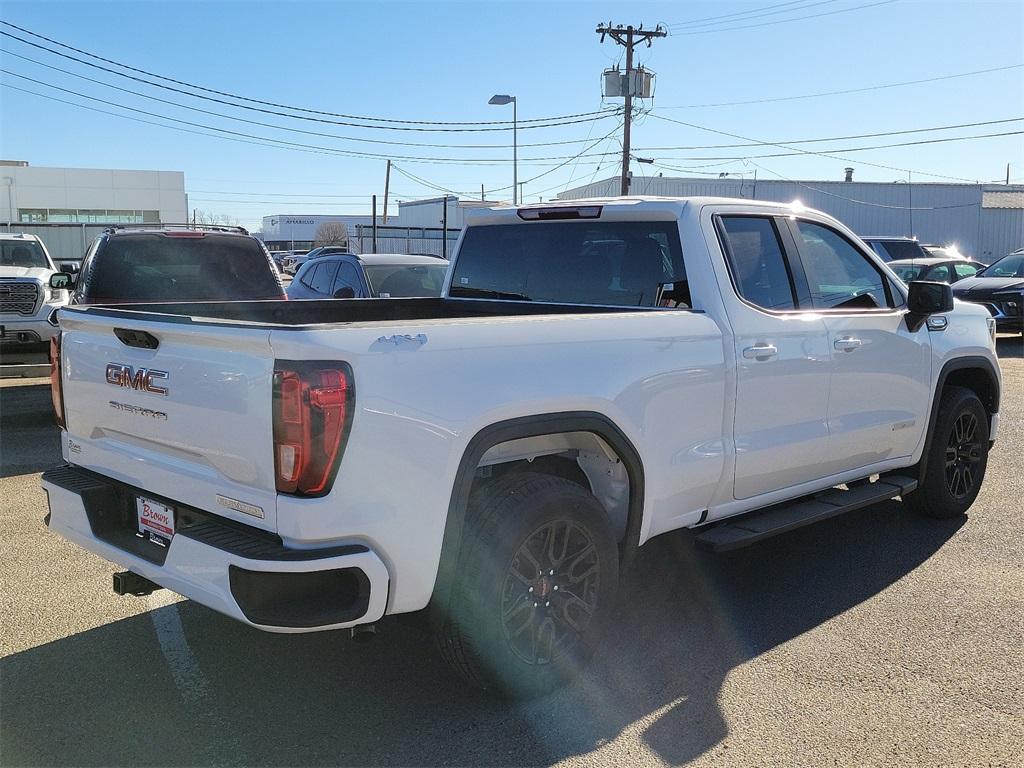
{"x":157,"y":267}
{"x":405,"y":280}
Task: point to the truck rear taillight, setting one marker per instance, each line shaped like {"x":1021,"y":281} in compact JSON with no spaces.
{"x":313,"y":406}
{"x":56,"y":390}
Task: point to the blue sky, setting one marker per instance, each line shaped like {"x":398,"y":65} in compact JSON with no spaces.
{"x":441,"y":61}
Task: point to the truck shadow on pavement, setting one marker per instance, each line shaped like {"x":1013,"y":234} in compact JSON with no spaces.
{"x":24,"y":448}
{"x":182,"y":685}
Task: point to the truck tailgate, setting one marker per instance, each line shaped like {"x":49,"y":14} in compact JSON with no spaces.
{"x":190,"y":420}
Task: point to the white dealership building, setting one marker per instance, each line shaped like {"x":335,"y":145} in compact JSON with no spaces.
{"x":44,"y":195}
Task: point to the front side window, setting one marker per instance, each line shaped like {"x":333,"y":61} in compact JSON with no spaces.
{"x":610,"y":263}
{"x":755,"y":259}
{"x":839,"y":275}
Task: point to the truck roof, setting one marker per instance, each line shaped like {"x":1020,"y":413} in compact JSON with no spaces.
{"x":667,"y":205}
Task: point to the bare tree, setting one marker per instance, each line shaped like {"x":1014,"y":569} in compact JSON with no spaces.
{"x":331,"y":233}
{"x":210,"y":218}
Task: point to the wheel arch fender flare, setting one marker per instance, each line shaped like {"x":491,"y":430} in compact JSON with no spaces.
{"x":976,"y":363}
{"x":523,"y":427}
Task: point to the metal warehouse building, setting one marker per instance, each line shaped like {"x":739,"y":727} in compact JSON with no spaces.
{"x":985,"y":221}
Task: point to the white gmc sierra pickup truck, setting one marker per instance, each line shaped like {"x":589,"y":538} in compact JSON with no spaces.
{"x":26,"y":298}
{"x":596,"y":373}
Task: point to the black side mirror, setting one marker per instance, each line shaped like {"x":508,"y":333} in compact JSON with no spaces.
{"x":71,"y":267}
{"x":61,"y":280}
{"x":346,"y":292}
{"x":924,"y":299}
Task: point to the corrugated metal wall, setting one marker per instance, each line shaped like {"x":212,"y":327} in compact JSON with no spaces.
{"x":934,"y":213}
{"x":64,"y":242}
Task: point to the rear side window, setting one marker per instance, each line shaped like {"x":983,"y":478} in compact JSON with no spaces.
{"x":906,"y":272}
{"x":612,"y":263}
{"x":839,"y":275}
{"x":348,"y":277}
{"x":323,"y":277}
{"x":939,"y":273}
{"x":157,"y":267}
{"x":755,"y":259}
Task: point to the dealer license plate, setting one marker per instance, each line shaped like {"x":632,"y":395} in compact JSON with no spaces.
{"x":156,"y":520}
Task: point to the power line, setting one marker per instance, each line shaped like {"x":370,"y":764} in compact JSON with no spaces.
{"x":783,"y":21}
{"x":846,"y":91}
{"x":812,"y":152}
{"x":831,"y":138}
{"x":549,"y":122}
{"x":750,"y":14}
{"x":286,"y":128}
{"x":331,"y":150}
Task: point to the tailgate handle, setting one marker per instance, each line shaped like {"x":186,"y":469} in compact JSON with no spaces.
{"x":139,"y":339}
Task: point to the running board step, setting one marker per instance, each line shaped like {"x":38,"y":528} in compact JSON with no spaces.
{"x":780,"y":518}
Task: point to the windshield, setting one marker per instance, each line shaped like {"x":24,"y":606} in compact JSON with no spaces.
{"x":22,"y":254}
{"x":1008,"y":266}
{"x":157,"y":267}
{"x":615,"y":263}
{"x":395,"y":281}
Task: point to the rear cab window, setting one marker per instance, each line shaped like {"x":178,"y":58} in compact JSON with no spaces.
{"x":154,"y":266}
{"x":606,"y":263}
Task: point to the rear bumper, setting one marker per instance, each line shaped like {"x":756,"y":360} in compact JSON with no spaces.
{"x":241,"y":572}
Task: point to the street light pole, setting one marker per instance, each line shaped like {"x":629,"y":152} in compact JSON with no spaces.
{"x":500,"y":99}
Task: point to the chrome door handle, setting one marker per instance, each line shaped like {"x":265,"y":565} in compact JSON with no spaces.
{"x":761,"y":352}
{"x":847,"y":344}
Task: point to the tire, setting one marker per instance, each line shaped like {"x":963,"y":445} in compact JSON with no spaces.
{"x":537,"y":573}
{"x":956,"y":458}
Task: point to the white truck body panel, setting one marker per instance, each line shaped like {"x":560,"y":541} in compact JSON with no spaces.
{"x":719,"y":432}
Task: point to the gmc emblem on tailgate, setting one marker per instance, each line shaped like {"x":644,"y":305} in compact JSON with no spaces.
{"x":141,"y":379}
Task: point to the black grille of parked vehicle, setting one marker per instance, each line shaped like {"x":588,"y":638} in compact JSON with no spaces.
{"x":18,"y":297}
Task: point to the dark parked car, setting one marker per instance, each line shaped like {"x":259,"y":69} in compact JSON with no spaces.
{"x":937,"y":270}
{"x":896,"y":248}
{"x":1000,"y":288}
{"x":377,"y":275}
{"x":133,"y":264}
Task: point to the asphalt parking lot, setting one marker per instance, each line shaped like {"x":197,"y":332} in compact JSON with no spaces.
{"x":877,"y":638}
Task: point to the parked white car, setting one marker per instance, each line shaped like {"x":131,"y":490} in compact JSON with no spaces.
{"x":26,"y":299}
{"x":596,"y":373}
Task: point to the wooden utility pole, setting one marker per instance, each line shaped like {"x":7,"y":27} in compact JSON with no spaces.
{"x":387,"y":182}
{"x":628,"y":37}
{"x":374,"y":224}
